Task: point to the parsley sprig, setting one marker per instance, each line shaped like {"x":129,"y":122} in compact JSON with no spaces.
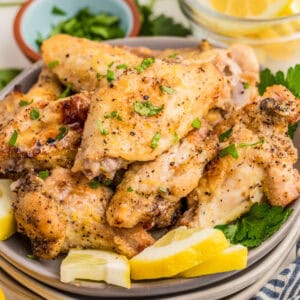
{"x":146,"y":108}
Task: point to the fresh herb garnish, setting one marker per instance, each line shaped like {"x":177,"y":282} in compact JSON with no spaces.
{"x":53,"y":64}
{"x":94,"y":184}
{"x":111,"y":64}
{"x":63,"y":131}
{"x":98,"y":75}
{"x":230,"y":150}
{"x":106,"y":182}
{"x":66,"y":92}
{"x":102,"y":130}
{"x":196,"y":123}
{"x":260,"y":142}
{"x":110,"y":75}
{"x":257,"y":225}
{"x":246,"y":85}
{"x":130,"y":189}
{"x":34,"y":114}
{"x":88,"y":25}
{"x":155,"y":140}
{"x":122,"y":66}
{"x":25,"y":103}
{"x":44,"y":174}
{"x":58,"y":11}
{"x":13,"y":139}
{"x":145,"y":64}
{"x":225,"y":135}
{"x":31,"y":256}
{"x":175,"y":137}
{"x":163,"y":190}
{"x":292,"y":129}
{"x":113,"y":115}
{"x":291,"y":80}
{"x":159,"y":25}
{"x":173,"y":55}
{"x":167,"y":90}
{"x":146,"y":108}
{"x":6,"y":75}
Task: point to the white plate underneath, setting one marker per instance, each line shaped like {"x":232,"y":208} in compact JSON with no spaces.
{"x":15,"y":249}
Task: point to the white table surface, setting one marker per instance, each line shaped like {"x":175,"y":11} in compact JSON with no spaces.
{"x":11,"y":56}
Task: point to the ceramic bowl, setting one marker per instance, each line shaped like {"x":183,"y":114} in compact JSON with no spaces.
{"x":35,"y":17}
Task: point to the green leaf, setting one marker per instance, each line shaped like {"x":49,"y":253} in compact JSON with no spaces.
{"x":230,"y":150}
{"x":122,"y":66}
{"x":58,"y":11}
{"x":292,"y":129}
{"x":260,"y":142}
{"x":102,"y":130}
{"x":31,"y":256}
{"x":106,"y":182}
{"x":6,"y":75}
{"x":228,"y":230}
{"x":164,"y":190}
{"x":113,"y":115}
{"x":66,"y":92}
{"x":13,"y":139}
{"x":155,"y":140}
{"x":25,"y":103}
{"x":63,"y":131}
{"x":175,"y":137}
{"x":44,"y":174}
{"x":225,"y":135}
{"x":94,"y":184}
{"x":110,"y":75}
{"x":167,"y":90}
{"x":130,"y":189}
{"x":34,"y":114}
{"x":52,"y":64}
{"x":146,"y":108}
{"x":246,"y":85}
{"x":145,"y":64}
{"x":196,"y":123}
{"x":173,"y":55}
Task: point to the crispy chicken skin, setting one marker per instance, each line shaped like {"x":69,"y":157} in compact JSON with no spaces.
{"x":150,"y":193}
{"x":230,"y":186}
{"x":48,"y":141}
{"x":196,"y":89}
{"x":63,"y":212}
{"x":83,"y":63}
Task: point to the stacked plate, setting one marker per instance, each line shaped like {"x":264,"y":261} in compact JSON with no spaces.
{"x":42,"y":277}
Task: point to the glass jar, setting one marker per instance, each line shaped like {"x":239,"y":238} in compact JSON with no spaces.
{"x":276,"y":41}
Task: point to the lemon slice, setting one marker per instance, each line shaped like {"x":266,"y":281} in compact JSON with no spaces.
{"x":232,"y":258}
{"x":251,"y":8}
{"x":179,"y":250}
{"x":2,"y":296}
{"x":95,"y":265}
{"x":7,"y":220}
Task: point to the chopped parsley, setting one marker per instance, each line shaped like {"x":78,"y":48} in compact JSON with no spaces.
{"x":260,"y":142}
{"x":246,"y":85}
{"x":262,"y":221}
{"x":113,"y":115}
{"x":167,"y":90}
{"x":111,"y":64}
{"x":225,"y":135}
{"x":94,"y":184}
{"x":52,"y":64}
{"x":34,"y":114}
{"x":98,"y":75}
{"x":175,"y":137}
{"x":106,"y":182}
{"x":13,"y":139}
{"x":58,"y":11}
{"x":63,"y":131}
{"x":196,"y":123}
{"x":122,"y":66}
{"x":110,"y":75}
{"x":230,"y":150}
{"x":66,"y":92}
{"x":173,"y":55}
{"x":155,"y":140}
{"x":145,"y":64}
{"x":130,"y":189}
{"x":146,"y":108}
{"x":24,"y":102}
{"x":44,"y":174}
{"x":163,"y":190}
{"x":102,"y":130}
{"x":31,"y":256}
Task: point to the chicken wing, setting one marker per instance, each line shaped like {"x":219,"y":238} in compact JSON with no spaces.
{"x":63,"y":212}
{"x":150,"y":193}
{"x":137,"y":117}
{"x":84,"y":64}
{"x":256,"y":160}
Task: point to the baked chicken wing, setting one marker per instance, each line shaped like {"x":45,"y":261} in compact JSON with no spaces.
{"x":63,"y":212}
{"x":256,"y":161}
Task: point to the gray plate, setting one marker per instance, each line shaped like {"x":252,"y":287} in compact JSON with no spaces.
{"x":15,"y":249}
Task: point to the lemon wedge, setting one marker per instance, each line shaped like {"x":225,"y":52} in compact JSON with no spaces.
{"x":95,"y":265}
{"x":2,"y":296}
{"x":7,"y":220}
{"x":252,"y":8}
{"x":230,"y":259}
{"x":180,"y":249}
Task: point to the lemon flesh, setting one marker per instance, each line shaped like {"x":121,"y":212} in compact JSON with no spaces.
{"x":179,"y":250}
{"x":252,"y":8}
{"x":7,"y":220}
{"x":230,"y":259}
{"x":95,"y":265}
